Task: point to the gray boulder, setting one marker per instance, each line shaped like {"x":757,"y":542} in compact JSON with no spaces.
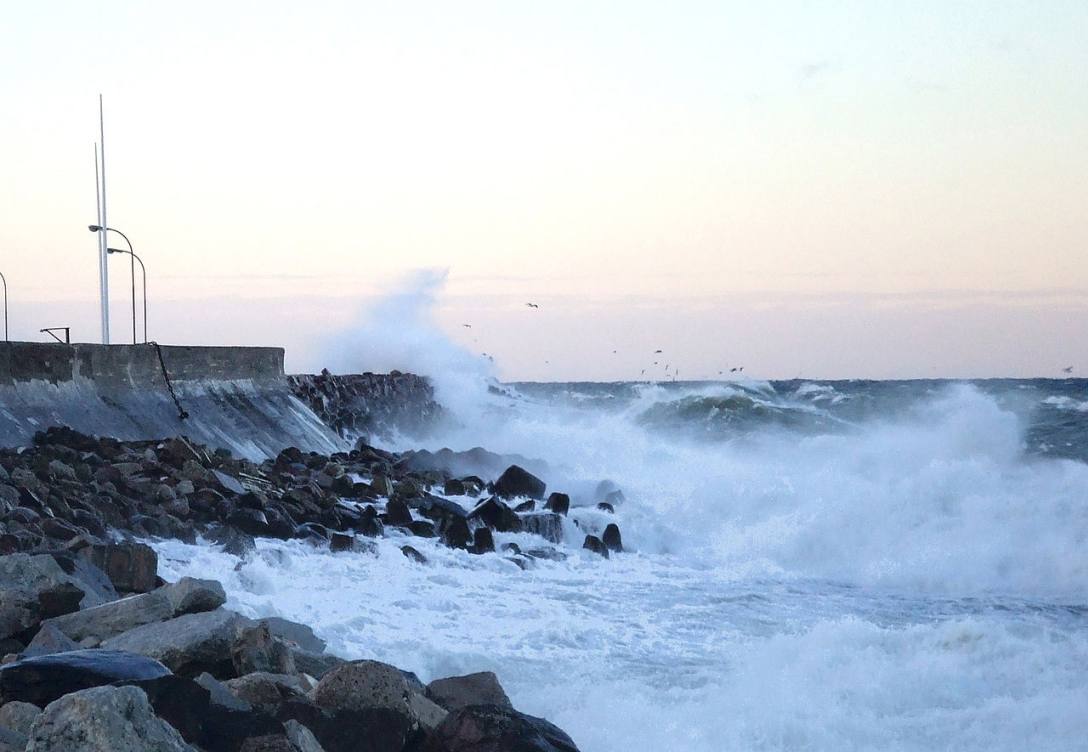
{"x":491,"y":728}
{"x":220,"y":694}
{"x":19,"y":716}
{"x":300,"y":635}
{"x":36,"y":587}
{"x":366,"y":685}
{"x":188,"y":645}
{"x":102,"y":622}
{"x":131,"y":567}
{"x":104,"y":719}
{"x":257,"y":649}
{"x":456,"y":692}
{"x":266,"y":691}
{"x":50,"y":640}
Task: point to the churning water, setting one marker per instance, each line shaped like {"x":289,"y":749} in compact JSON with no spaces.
{"x":812,"y":566}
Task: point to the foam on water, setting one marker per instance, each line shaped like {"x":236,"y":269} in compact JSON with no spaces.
{"x":801,"y":579}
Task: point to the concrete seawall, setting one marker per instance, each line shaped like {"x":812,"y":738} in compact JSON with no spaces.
{"x":237,"y":398}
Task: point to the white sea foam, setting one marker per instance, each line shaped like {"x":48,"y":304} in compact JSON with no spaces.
{"x":910,"y":582}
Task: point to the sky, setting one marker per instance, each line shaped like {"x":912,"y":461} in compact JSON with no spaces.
{"x":807,"y":189}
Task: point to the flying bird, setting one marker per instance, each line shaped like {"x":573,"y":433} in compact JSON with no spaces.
{"x":656,"y":352}
{"x":1067,"y":369}
{"x":732,"y":370}
{"x":467,"y":326}
{"x":532,"y":305}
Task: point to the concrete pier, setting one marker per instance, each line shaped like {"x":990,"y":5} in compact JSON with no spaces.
{"x":237,"y":398}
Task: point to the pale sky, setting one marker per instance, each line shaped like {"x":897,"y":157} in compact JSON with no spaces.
{"x":847,"y":189}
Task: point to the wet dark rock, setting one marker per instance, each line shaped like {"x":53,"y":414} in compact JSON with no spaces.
{"x":548,"y":525}
{"x":342,"y":542}
{"x":558,"y":503}
{"x":516,"y":481}
{"x":181,"y":702}
{"x":526,"y":506}
{"x":413,"y":554}
{"x":483,"y":541}
{"x":596,"y":545}
{"x":266,"y":691}
{"x":611,"y":537}
{"x":315,"y":664}
{"x":251,"y":521}
{"x":367,"y":730}
{"x":454,"y":487}
{"x":604,"y":506}
{"x":494,"y":728}
{"x":497,"y":516}
{"x":456,"y":692}
{"x":422,"y":528}
{"x":457,"y":534}
{"x":42,"y":679}
{"x":397,"y":513}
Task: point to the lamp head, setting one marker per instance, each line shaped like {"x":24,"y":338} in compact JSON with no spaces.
{"x":94,"y":228}
{"x":114,"y":250}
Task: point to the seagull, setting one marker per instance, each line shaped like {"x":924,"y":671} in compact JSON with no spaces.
{"x":1067,"y":369}
{"x":732,"y":370}
{"x":532,"y":305}
{"x":656,"y":352}
{"x":467,"y":326}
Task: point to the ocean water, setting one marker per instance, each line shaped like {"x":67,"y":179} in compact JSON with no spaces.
{"x":810,"y":566}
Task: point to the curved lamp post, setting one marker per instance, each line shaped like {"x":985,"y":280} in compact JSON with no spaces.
{"x":5,"y":281}
{"x":143,"y":275}
{"x":98,"y":228}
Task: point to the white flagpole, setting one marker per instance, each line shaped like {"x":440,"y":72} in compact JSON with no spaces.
{"x":103,"y":264}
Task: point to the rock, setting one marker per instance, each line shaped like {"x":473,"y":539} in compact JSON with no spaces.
{"x":456,"y":692}
{"x":368,"y":730}
{"x":497,"y":516}
{"x":181,"y":702}
{"x":611,"y":537}
{"x":227,"y":484}
{"x":483,"y":541}
{"x":342,"y":542}
{"x":266,"y":691}
{"x":604,"y":488}
{"x":49,"y":640}
{"x":516,"y":481}
{"x":19,"y":716}
{"x":594,"y":544}
{"x":256,"y":649}
{"x":42,"y":679}
{"x":301,"y":737}
{"x":219,"y":694}
{"x":249,"y":521}
{"x":315,"y":664}
{"x":558,"y":503}
{"x":358,"y":685}
{"x":44,"y":579}
{"x":188,"y":644}
{"x":413,"y":554}
{"x":422,"y":528}
{"x":492,"y":728}
{"x":188,"y":595}
{"x":61,"y":471}
{"x":381,"y":485}
{"x":548,"y":525}
{"x":296,"y":634}
{"x":454,"y":487}
{"x":604,"y":506}
{"x":457,"y":534}
{"x":12,"y":741}
{"x":104,"y":719}
{"x":397,"y":513}
{"x":526,"y":506}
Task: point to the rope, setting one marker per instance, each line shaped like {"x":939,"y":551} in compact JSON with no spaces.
{"x":181,"y":411}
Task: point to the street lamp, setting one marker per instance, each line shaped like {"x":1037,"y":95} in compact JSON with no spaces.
{"x":98,"y":228}
{"x":5,"y":281}
{"x":143,"y":275}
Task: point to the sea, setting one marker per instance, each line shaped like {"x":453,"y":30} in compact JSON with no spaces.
{"x":809,"y":565}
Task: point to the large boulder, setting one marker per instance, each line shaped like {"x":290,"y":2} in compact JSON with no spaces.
{"x":456,"y":692}
{"x":611,"y":538}
{"x":188,"y":595}
{"x":37,"y":587}
{"x":266,"y":691}
{"x":104,"y":719}
{"x":189,"y":644}
{"x":132,"y":567}
{"x":492,"y":728}
{"x":558,"y":503}
{"x":368,"y":685}
{"x":42,"y":679}
{"x":516,"y":481}
{"x":548,"y":525}
{"x":299,"y":635}
{"x":19,"y":716}
{"x":497,"y":516}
